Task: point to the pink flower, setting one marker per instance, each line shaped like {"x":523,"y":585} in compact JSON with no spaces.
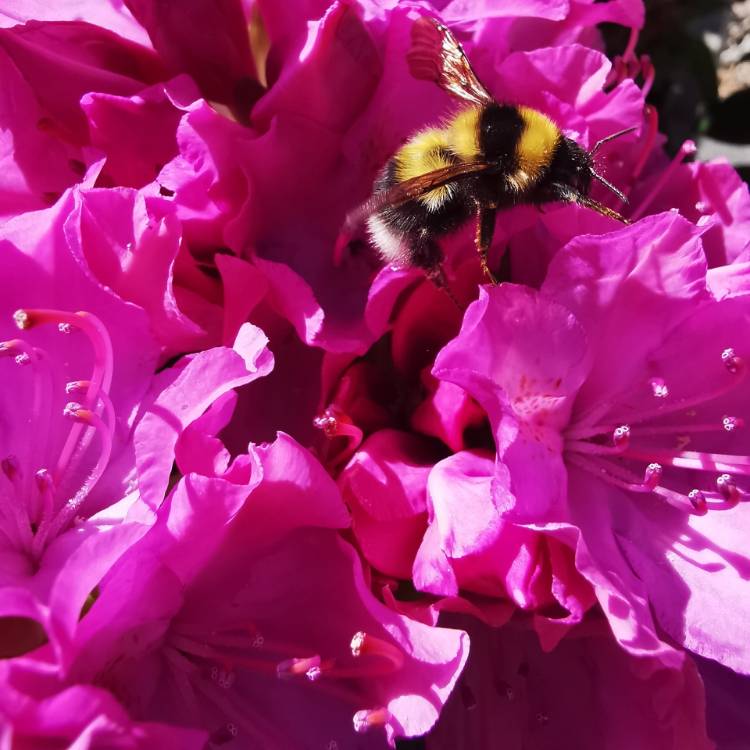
{"x":241,"y":612}
{"x":78,"y":385}
{"x":586,"y":694}
{"x":419,"y":489}
{"x":617,"y":408}
{"x":66,"y":408}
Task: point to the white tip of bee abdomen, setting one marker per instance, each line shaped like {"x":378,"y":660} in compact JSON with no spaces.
{"x":390,"y":245}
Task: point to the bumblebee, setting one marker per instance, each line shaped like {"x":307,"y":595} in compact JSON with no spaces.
{"x":486,"y":156}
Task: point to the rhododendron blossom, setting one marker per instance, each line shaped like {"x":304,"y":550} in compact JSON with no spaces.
{"x":626,"y":435}
{"x":223,"y":629}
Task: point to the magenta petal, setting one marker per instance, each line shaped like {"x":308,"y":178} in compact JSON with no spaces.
{"x":131,"y":243}
{"x":659,"y":266}
{"x":198,"y":448}
{"x":462,"y":506}
{"x":432,"y":571}
{"x":208,"y":177}
{"x":35,"y":165}
{"x":62,"y":61}
{"x":109,"y":14}
{"x":81,"y":573}
{"x":714,"y":197}
{"x":293,"y":299}
{"x":727,"y":695}
{"x":385,"y":485}
{"x":137,"y":133}
{"x":461,"y":10}
{"x":180,"y":396}
{"x":207,"y":40}
{"x":174,"y":605}
{"x":244,"y":287}
{"x":699,"y":593}
{"x":289,"y":468}
{"x":496,"y":359}
{"x":606,"y":526}
{"x":446,"y":412}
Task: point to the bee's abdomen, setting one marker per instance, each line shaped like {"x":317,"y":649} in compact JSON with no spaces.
{"x":393,"y":228}
{"x":439,"y":214}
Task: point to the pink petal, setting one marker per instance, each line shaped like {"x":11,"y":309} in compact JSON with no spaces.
{"x":207,"y":40}
{"x":62,"y":61}
{"x":131,"y":243}
{"x":137,"y":133}
{"x":181,"y":396}
{"x":496,"y":359}
{"x":385,"y":485}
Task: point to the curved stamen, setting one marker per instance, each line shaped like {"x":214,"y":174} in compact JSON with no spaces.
{"x":369,"y":718}
{"x":103,"y":401}
{"x":89,"y":418}
{"x":652,"y":130}
{"x":94,"y":330}
{"x":648,"y":71}
{"x":46,"y":488}
{"x":586,"y":425}
{"x":625,"y":480}
{"x":727,"y":487}
{"x":313,"y":668}
{"x":696,"y":460}
{"x":629,"y":52}
{"x":101,"y":377}
{"x":698,"y":501}
{"x":683,"y":428}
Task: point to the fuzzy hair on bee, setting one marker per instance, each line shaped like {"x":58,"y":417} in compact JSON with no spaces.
{"x":484,"y":157}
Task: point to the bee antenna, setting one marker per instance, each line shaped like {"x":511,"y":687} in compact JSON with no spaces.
{"x":565,"y":193}
{"x":609,"y":138}
{"x":608,"y":185}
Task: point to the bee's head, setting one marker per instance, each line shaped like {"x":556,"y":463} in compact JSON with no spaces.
{"x":570,"y":174}
{"x":572,"y":166}
{"x":572,"y":169}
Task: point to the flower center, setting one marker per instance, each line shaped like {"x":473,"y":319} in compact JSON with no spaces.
{"x":612,"y":451}
{"x":210,"y":665}
{"x":43,"y":486}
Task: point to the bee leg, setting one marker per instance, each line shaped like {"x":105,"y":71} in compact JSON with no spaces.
{"x":426,"y":254}
{"x":483,"y":238}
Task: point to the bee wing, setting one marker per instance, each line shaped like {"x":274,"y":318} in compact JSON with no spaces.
{"x":414,"y":188}
{"x":436,"y":55}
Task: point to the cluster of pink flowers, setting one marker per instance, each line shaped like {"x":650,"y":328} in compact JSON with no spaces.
{"x":259,"y":491}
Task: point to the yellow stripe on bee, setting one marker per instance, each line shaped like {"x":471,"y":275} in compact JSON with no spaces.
{"x":535,"y":148}
{"x":463,"y":132}
{"x":424,"y":153}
